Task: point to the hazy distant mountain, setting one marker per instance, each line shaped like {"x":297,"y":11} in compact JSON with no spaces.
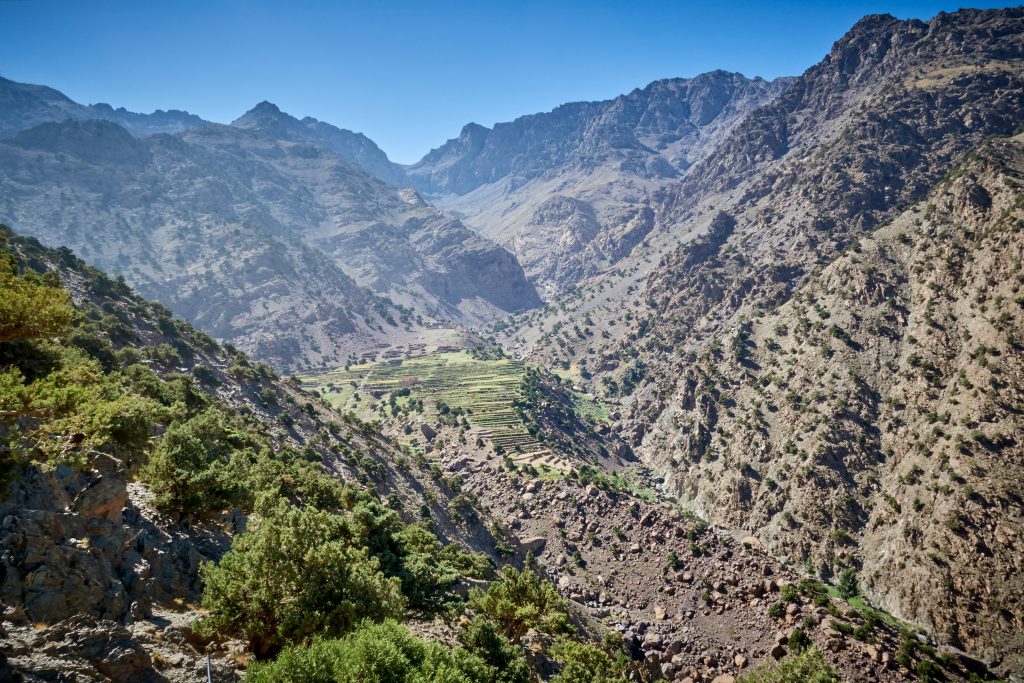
{"x":268,"y":120}
{"x":256,"y":238}
{"x":23,"y":106}
{"x":567,"y":190}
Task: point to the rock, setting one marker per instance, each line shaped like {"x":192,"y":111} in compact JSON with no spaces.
{"x":659,"y":612}
{"x":534,"y":544}
{"x":428,"y":432}
{"x":740,"y":661}
{"x":724,"y":678}
{"x":777,"y":651}
{"x":564,"y":581}
{"x":592,"y":491}
{"x":465,"y":584}
{"x":653,"y":640}
{"x":458,"y":464}
{"x":107,"y":645}
{"x":104,"y":497}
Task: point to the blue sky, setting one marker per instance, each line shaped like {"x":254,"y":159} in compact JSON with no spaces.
{"x":407,"y":74}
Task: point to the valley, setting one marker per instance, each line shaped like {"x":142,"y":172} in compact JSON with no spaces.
{"x":715,"y":381}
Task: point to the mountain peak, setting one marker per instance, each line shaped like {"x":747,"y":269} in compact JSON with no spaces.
{"x":263,"y":115}
{"x":265,"y":107}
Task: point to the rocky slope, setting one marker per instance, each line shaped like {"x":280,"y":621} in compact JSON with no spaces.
{"x":95,"y":582}
{"x":872,"y":421}
{"x":356,"y":148}
{"x":260,"y":240}
{"x":389,"y":240}
{"x":851,"y":144}
{"x":565,"y":190}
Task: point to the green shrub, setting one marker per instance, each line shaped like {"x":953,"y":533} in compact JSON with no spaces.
{"x":482,"y":638}
{"x":386,"y":653}
{"x":928,"y":671}
{"x":586,"y":663}
{"x":847,"y":585}
{"x":798,"y":640}
{"x":188,"y":471}
{"x":32,"y":307}
{"x":806,"y":667}
{"x":519,"y":601}
{"x":293,"y":574}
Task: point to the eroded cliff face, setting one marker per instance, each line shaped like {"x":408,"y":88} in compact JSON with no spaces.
{"x":565,"y":190}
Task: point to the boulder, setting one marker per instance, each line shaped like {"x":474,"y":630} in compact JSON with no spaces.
{"x":534,"y":544}
{"x":103,"y":497}
{"x":428,"y":432}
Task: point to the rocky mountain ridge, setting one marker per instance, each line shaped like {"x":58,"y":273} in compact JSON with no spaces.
{"x":565,"y":190}
{"x":851,"y":144}
{"x":100,"y":580}
{"x":24,"y":106}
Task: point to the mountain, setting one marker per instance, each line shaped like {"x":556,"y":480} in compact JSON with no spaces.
{"x":267,"y":119}
{"x":797,"y":185}
{"x":768,"y":417}
{"x":872,"y":419}
{"x":24,"y":106}
{"x":281,"y":236}
{"x":389,"y":240}
{"x":189,"y":511}
{"x":105,"y":537}
{"x":567,"y":190}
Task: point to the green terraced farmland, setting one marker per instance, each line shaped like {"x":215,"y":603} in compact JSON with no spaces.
{"x":484,"y":389}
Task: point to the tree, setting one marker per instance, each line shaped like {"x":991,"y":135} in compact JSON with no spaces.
{"x":293,"y":574}
{"x":847,"y":585}
{"x":482,"y":638}
{"x":384,"y":653}
{"x":807,"y":667}
{"x":31,"y":308}
{"x":519,"y":601}
{"x":585,"y":663}
{"x":188,"y":469}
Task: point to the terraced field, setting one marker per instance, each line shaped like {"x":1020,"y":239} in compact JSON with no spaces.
{"x":484,"y":389}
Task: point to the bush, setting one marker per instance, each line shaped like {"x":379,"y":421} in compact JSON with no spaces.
{"x":519,"y":601}
{"x":585,"y":663}
{"x":847,"y":585}
{"x":928,"y":671}
{"x":31,"y":307}
{"x":481,"y":637}
{"x":807,"y":667}
{"x":385,"y":653}
{"x":798,"y":640}
{"x":188,"y":471}
{"x":293,"y":574}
